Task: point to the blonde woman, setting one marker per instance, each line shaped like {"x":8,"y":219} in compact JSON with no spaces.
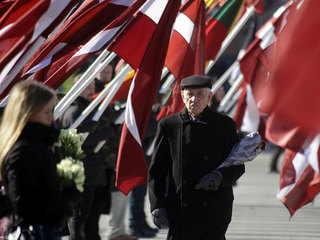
{"x":28,"y":165}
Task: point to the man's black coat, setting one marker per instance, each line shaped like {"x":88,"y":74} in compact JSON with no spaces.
{"x":185,"y":151}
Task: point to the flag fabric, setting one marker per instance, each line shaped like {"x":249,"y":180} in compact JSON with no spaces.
{"x":209,"y":3}
{"x":286,"y":134}
{"x":122,"y":93}
{"x":255,"y":65}
{"x":259,"y":6}
{"x":186,"y":52}
{"x":299,"y":182}
{"x":219,"y":25}
{"x":91,"y":17}
{"x":64,"y":67}
{"x":257,"y":61}
{"x":143,"y":43}
{"x":248,"y":117}
{"x":5,"y":5}
{"x":293,"y":90}
{"x":21,"y":27}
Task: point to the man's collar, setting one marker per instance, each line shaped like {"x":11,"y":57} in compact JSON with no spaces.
{"x":186,"y":117}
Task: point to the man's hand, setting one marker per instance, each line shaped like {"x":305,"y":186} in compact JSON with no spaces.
{"x":160,"y":218}
{"x":211,"y":181}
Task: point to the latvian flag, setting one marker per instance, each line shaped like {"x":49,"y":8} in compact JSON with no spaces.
{"x":300,"y":178}
{"x":143,"y":44}
{"x":186,"y":52}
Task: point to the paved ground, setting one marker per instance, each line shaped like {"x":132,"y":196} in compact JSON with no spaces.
{"x":258,"y":215}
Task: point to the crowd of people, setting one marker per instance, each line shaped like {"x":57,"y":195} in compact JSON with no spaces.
{"x":188,"y":147}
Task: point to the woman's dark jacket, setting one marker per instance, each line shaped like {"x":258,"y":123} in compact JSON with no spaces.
{"x":185,"y":151}
{"x":30,"y":178}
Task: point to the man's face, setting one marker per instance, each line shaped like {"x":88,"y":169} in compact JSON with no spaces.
{"x":106,"y":74}
{"x":196,"y":99}
{"x":88,"y":92}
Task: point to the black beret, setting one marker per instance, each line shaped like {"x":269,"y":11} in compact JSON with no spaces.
{"x":196,"y":81}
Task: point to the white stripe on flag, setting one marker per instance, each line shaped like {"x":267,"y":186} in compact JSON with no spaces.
{"x":251,"y":117}
{"x":130,"y":118}
{"x":154,"y":9}
{"x":267,"y":36}
{"x":5,"y":71}
{"x":184,"y":26}
{"x":97,"y":41}
{"x":278,"y":13}
{"x":3,"y":30}
{"x":127,"y":3}
{"x":300,"y":163}
{"x":54,"y":10}
{"x":47,"y":61}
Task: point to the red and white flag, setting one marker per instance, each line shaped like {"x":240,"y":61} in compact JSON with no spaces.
{"x":286,"y":134}
{"x":22,"y":26}
{"x":293,"y":90}
{"x":61,"y":68}
{"x":299,"y":182}
{"x":143,"y":43}
{"x":255,"y":65}
{"x":248,"y":117}
{"x":257,"y":61}
{"x":186,"y":52}
{"x":90,"y":18}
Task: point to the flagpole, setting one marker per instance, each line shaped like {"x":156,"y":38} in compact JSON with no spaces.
{"x":124,"y":72}
{"x":4,"y":101}
{"x":230,"y":93}
{"x":224,"y":77}
{"x":166,"y":85}
{"x":118,"y":79}
{"x":240,"y":24}
{"x":122,"y":75}
{"x":83,"y":82}
{"x":234,"y":99}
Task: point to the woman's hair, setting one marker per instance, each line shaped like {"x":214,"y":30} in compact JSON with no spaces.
{"x":25,"y":99}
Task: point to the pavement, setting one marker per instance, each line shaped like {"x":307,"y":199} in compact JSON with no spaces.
{"x":258,"y":214}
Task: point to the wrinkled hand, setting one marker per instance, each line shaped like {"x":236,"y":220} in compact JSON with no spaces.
{"x":160,"y":218}
{"x":211,"y":181}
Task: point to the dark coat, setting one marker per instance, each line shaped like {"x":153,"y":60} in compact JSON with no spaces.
{"x":185,"y":151}
{"x":30,"y":178}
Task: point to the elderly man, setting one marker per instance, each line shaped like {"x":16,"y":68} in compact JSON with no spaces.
{"x":187,"y":192}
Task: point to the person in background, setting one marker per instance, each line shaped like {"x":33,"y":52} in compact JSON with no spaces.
{"x":218,"y":96}
{"x":28,"y":164}
{"x":276,"y":152}
{"x":104,"y":77}
{"x":84,"y":224}
{"x":187,"y":192}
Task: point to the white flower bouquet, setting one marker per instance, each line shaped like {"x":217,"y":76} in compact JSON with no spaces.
{"x":71,"y":171}
{"x":247,"y":149}
{"x":70,"y":143}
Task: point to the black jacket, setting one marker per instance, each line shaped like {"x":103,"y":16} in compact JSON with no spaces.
{"x":185,"y":151}
{"x":30,"y":178}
